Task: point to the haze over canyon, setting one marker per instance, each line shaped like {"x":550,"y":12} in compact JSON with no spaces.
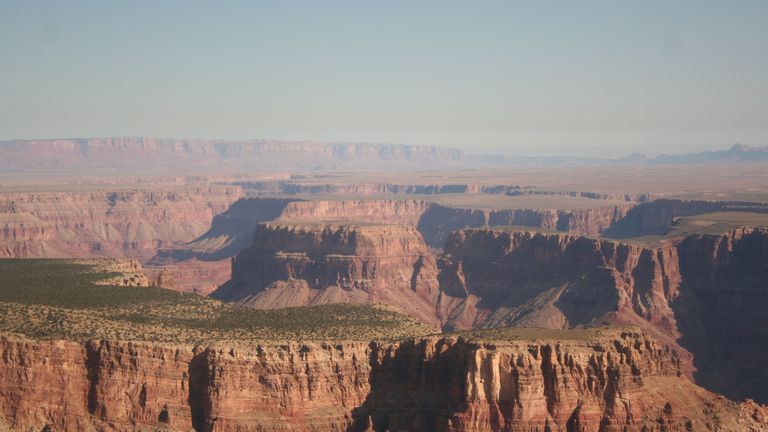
{"x":337,"y":287}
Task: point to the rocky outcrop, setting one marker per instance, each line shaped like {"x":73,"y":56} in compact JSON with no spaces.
{"x":130,"y":224}
{"x":615,"y":381}
{"x":292,"y":264}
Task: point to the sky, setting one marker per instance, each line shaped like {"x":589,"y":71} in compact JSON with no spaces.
{"x":513,"y":77}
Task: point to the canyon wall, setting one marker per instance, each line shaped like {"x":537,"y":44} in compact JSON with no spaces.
{"x":704,"y":295}
{"x":721,"y":310}
{"x":295,"y":264}
{"x":400,"y":212}
{"x":439,"y":221}
{"x":204,"y":263}
{"x":498,"y":278}
{"x":616,"y":381}
{"x":106,"y":224}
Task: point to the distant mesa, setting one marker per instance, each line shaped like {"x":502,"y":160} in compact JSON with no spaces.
{"x":141,"y":154}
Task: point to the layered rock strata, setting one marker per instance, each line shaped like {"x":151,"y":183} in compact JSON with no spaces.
{"x":703,"y":295}
{"x":615,"y":381}
{"x":130,"y":224}
{"x":496,"y":278}
{"x":308,"y":264}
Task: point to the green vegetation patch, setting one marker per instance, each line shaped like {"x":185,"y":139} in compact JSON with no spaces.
{"x":57,"y":299}
{"x":531,"y":333}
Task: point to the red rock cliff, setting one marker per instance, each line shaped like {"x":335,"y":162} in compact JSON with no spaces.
{"x":613,"y":382}
{"x":705,"y":294}
{"x":293,"y":264}
{"x":106,"y":224}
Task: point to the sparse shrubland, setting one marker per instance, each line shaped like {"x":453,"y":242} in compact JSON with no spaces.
{"x":55,"y":299}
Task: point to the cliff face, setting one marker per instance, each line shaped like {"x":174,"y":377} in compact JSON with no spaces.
{"x":307,"y":264}
{"x":704,"y":295}
{"x":614,"y":382}
{"x":438,"y":221}
{"x":203,"y":264}
{"x":400,"y":212}
{"x":589,"y":385}
{"x":721,"y":310}
{"x":495,"y":277}
{"x":106,"y":224}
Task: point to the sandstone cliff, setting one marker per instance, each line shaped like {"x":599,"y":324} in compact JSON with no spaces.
{"x":614,"y":381}
{"x":438,"y":221}
{"x":293,"y":264}
{"x":705,"y":294}
{"x":106,"y":224}
{"x":497,"y":277}
{"x":203,"y":264}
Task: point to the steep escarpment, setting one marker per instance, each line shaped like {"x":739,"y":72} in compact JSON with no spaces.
{"x":704,"y":295}
{"x":593,"y":384}
{"x":608,"y":381}
{"x":400,"y":212}
{"x":656,"y":217}
{"x":125,"y":386}
{"x":525,"y":278}
{"x":291,"y":264}
{"x":106,"y":224}
{"x":203,"y":264}
{"x":721,"y":310}
{"x":439,"y":221}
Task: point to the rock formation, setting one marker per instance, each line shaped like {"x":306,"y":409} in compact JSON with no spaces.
{"x":496,"y":277}
{"x":131,"y":224}
{"x":294,"y":264}
{"x":705,"y":294}
{"x":611,"y":381}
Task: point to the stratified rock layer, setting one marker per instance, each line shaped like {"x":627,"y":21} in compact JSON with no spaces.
{"x":705,"y":294}
{"x":131,"y":224}
{"x":308,"y":264}
{"x":493,"y":278}
{"x":616,"y":381}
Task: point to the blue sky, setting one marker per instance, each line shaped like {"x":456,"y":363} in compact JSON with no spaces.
{"x":534,"y":77}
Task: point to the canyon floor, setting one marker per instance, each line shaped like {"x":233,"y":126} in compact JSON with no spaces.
{"x":559,"y":298}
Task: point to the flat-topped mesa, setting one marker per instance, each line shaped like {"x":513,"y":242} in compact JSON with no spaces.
{"x":139,"y":154}
{"x":300,"y":264}
{"x":381,"y":211}
{"x":604,"y":380}
{"x":439,"y":221}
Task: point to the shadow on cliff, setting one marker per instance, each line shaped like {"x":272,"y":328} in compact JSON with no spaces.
{"x":721,"y":312}
{"x":199,"y":403}
{"x":418,"y":385}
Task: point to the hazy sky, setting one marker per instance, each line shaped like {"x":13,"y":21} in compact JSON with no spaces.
{"x":509,"y":76}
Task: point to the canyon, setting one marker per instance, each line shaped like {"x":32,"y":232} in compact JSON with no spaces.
{"x":490,"y":277}
{"x":679,"y":281}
